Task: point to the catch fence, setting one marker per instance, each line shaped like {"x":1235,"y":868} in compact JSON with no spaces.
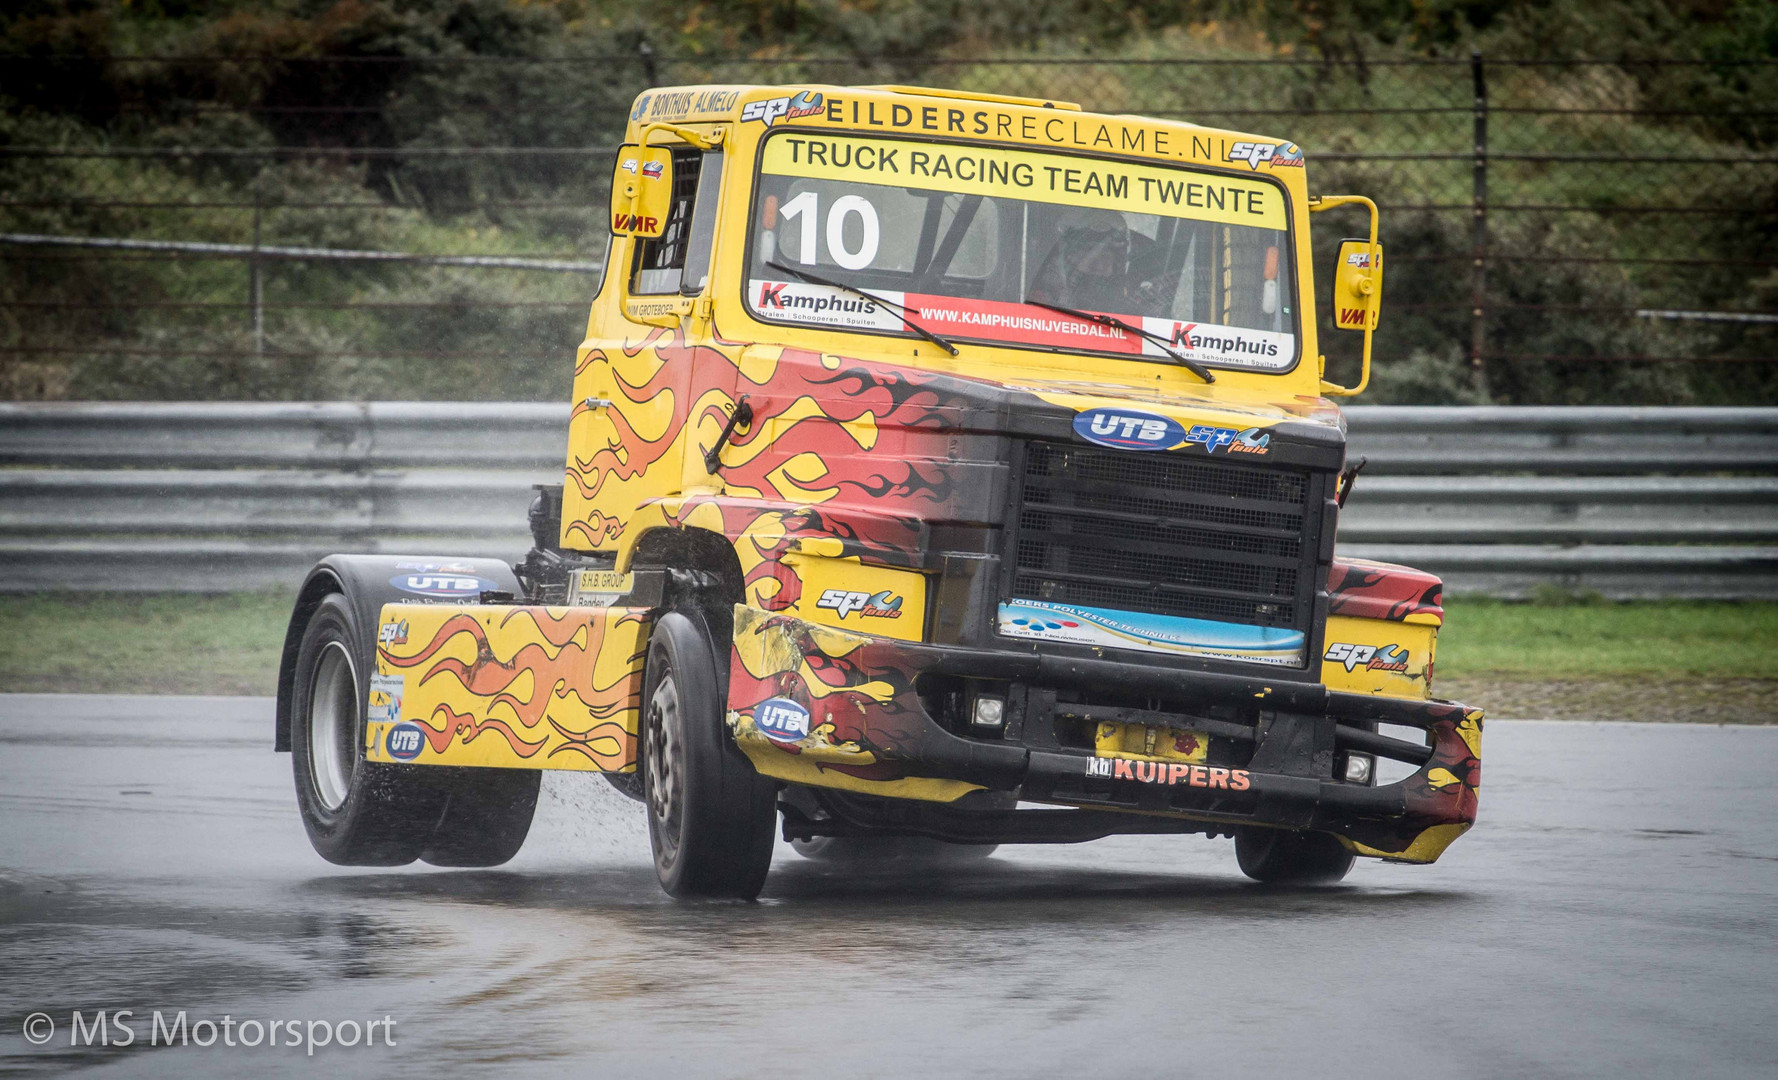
{"x":1551,"y":225}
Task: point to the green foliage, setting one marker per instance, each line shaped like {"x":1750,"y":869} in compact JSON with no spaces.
{"x":347,"y":330}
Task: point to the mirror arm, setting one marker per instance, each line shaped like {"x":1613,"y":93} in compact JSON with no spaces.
{"x":1318,"y":203}
{"x":695,"y":138}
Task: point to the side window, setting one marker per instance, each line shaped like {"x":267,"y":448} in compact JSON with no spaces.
{"x":679,"y":259}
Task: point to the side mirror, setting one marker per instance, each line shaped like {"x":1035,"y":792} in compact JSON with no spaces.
{"x":641,"y":190}
{"x":1357,"y":288}
{"x":1358,"y":285}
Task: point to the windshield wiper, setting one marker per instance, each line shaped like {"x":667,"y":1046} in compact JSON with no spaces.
{"x":894,"y":308}
{"x":1187,"y":362}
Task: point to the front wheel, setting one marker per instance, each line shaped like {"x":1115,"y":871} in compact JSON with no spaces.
{"x":1282,"y":857}
{"x":710,"y":814}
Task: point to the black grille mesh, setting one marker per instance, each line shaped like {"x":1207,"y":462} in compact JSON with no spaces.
{"x":1165,"y":534}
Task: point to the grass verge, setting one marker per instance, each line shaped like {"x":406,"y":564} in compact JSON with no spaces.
{"x":1710,"y":662}
{"x":142,"y":644}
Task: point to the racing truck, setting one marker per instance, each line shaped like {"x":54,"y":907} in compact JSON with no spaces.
{"x":944,"y":470}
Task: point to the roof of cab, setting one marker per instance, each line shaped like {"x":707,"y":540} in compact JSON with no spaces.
{"x":1034,"y":122}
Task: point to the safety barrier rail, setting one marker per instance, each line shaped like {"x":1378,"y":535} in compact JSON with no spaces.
{"x":221,"y":496}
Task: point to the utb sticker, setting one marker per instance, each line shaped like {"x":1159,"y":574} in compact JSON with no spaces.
{"x":781,"y":720}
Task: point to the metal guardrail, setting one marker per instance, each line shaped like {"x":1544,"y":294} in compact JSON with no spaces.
{"x":215,"y":496}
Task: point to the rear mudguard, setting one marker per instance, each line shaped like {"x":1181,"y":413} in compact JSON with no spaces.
{"x":512,"y":686}
{"x":368,"y":582}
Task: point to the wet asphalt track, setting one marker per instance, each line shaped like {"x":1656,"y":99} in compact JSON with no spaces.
{"x":1612,"y":915}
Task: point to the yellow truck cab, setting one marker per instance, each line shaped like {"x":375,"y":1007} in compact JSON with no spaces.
{"x":933,"y":455}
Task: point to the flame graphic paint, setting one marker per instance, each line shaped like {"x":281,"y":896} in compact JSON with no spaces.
{"x":560,"y":685}
{"x":864,"y":714}
{"x":1440,"y":800}
{"x":1374,"y":590}
{"x":871,"y":444}
{"x":846,"y":458}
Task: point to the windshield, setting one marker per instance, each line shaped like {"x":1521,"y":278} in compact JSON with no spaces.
{"x":964,"y":235}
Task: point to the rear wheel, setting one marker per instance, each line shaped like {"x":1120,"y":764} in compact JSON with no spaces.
{"x":1282,"y":857}
{"x":710,"y":814}
{"x":906,"y":852}
{"x":486,"y":815}
{"x":362,"y":813}
{"x":357,"y":813}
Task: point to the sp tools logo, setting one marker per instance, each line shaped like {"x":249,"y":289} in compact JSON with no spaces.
{"x":1251,"y":441}
{"x":883,"y":605}
{"x":1373,"y":657}
{"x":1256,"y":154}
{"x":1246,"y":441}
{"x":1128,"y":429}
{"x":806,"y":103}
{"x":1210,"y":438}
{"x":392,"y":633}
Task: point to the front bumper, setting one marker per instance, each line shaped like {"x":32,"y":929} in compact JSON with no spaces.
{"x":870,"y":731}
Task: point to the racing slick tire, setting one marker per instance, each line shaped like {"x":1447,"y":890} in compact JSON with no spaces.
{"x":1282,"y":857}
{"x":357,"y":813}
{"x":908,"y":852}
{"x":710,"y":814}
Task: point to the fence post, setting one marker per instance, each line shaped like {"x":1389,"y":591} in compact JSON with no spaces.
{"x":256,"y":283}
{"x":1478,"y":284}
{"x":650,"y":76}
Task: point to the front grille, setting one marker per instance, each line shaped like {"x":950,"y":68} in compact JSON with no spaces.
{"x":1165,"y":534}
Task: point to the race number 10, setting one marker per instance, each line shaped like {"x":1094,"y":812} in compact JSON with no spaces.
{"x":806,"y":208}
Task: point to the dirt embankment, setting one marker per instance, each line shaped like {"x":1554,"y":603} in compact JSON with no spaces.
{"x":1664,"y":699}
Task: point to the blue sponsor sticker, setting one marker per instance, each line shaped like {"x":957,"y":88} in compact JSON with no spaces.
{"x":404,"y":742}
{"x":1079,"y":624}
{"x":442,"y":584}
{"x":1129,"y":429}
{"x":1211,"y":438}
{"x":781,"y":720}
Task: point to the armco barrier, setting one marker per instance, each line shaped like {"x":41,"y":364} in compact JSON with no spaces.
{"x":216,"y":496}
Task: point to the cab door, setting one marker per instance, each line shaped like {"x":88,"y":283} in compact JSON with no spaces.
{"x":646,"y":369}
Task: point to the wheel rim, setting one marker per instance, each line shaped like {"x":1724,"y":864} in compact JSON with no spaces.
{"x":666,"y":782}
{"x":333,"y":725}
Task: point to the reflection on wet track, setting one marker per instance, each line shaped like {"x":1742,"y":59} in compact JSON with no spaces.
{"x":1612,"y":914}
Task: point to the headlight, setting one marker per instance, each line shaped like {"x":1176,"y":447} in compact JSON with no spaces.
{"x":1358,"y":768}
